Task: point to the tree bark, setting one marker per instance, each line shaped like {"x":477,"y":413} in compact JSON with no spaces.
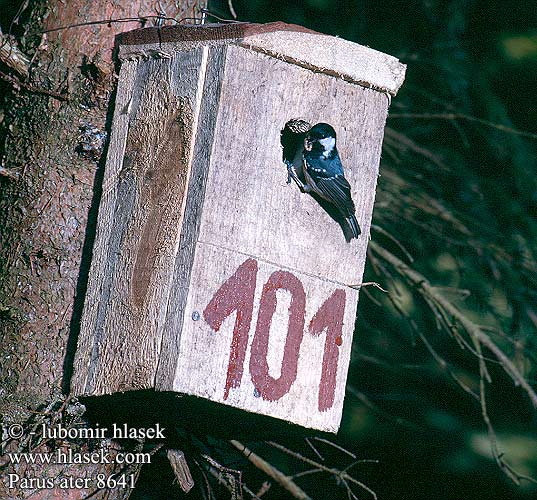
{"x":53,"y":156}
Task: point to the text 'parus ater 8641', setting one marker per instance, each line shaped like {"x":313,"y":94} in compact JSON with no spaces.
{"x":316,"y":167}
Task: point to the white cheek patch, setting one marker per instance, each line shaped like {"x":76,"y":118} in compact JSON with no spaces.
{"x":328,"y":144}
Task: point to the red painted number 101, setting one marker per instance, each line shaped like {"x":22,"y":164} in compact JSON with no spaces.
{"x":237,"y":295}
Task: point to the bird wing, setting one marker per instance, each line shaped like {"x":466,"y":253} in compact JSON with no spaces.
{"x":337,"y":190}
{"x":330,"y":184}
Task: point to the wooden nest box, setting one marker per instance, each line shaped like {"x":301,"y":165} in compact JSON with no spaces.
{"x":210,"y":275}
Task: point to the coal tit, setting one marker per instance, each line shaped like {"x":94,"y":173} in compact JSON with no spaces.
{"x":316,"y":167}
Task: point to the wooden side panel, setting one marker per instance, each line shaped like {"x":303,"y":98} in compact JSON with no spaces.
{"x":98,"y":282}
{"x":302,"y":262}
{"x":139,"y":220}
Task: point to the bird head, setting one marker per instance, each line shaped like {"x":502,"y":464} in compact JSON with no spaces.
{"x":321,"y":138}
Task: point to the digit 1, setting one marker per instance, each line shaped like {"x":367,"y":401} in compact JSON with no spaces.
{"x":329,"y":317}
{"x":272,"y":389}
{"x":235,"y":294}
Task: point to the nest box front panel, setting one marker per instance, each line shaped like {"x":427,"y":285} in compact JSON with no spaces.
{"x":266,"y":339}
{"x":269,"y":318}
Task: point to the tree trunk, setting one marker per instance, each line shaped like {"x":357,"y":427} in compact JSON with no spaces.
{"x":49,"y":190}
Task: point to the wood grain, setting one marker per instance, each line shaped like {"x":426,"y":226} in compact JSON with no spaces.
{"x":204,"y":354}
{"x":294,"y":44}
{"x":139,"y":225}
{"x":191,"y":223}
{"x":249,"y":206}
{"x":250,"y":212}
{"x":180,"y":469}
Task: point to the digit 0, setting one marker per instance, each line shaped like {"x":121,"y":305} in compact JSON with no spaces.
{"x":270,"y":388}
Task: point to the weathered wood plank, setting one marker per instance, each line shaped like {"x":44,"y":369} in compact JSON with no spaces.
{"x":99,"y":282}
{"x":248,"y":205}
{"x":291,"y":43}
{"x":191,"y":223}
{"x":205,"y":354}
{"x":143,"y":225}
{"x":249,"y":212}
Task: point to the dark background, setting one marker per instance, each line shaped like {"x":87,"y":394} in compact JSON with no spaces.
{"x":471,"y":58}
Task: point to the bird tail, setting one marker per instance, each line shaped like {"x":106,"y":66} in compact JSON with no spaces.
{"x":354,"y":226}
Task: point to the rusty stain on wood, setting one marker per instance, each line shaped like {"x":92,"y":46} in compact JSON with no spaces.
{"x":164,"y":182}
